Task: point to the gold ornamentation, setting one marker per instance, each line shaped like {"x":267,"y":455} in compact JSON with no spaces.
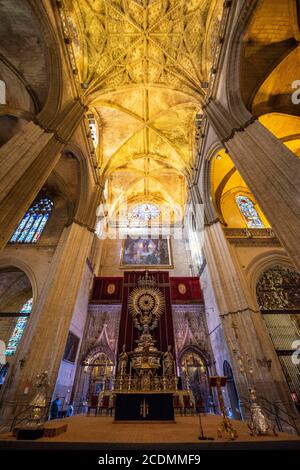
{"x":226,"y":424}
{"x":122,"y":361}
{"x":146,"y":304}
{"x":38,"y":405}
{"x":168,"y":363}
{"x":181,"y":288}
{"x":278,"y":289}
{"x":144,"y":408}
{"x":111,"y":289}
{"x":146,"y":300}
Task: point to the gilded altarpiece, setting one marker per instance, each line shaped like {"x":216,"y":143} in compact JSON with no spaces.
{"x":146,"y":332}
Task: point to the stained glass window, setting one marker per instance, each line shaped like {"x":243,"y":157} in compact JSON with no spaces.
{"x":249,"y":212}
{"x":19,"y":329}
{"x":93,"y":129}
{"x":33,"y":223}
{"x":144,"y":212}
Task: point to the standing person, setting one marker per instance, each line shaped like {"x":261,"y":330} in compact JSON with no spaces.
{"x":70,"y":410}
{"x":55,"y":408}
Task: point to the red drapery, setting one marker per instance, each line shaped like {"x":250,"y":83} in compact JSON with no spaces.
{"x":185,"y":290}
{"x":163,"y":334}
{"x":107,"y":289}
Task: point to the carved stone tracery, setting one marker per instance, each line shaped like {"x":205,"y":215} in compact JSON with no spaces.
{"x":141,"y":65}
{"x":279,"y":289}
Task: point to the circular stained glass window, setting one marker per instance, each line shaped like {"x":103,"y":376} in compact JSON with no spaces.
{"x":144,"y":212}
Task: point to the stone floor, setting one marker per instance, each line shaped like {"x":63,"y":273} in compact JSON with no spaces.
{"x":90,"y":429}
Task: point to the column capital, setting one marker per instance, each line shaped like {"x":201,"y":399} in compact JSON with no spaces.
{"x":224,"y":124}
{"x":63,"y":126}
{"x":194,"y":191}
{"x":83,"y":224}
{"x":208,"y":222}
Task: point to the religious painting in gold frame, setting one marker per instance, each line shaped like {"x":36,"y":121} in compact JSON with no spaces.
{"x":146,"y":252}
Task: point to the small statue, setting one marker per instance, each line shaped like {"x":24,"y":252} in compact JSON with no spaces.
{"x":145,"y":357}
{"x":259,"y":424}
{"x":39,"y":402}
{"x":122,"y":361}
{"x":226,"y":426}
{"x":168,"y":362}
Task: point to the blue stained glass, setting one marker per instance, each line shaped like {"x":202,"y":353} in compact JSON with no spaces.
{"x":40,"y":228}
{"x":34,"y":228}
{"x":19,"y":329}
{"x":26,"y":229}
{"x":144,"y":212}
{"x":27,"y":307}
{"x":20,"y":227}
{"x":249,"y":212}
{"x":31,"y":226}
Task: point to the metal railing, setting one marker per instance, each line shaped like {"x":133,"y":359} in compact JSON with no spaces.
{"x":26,"y":415}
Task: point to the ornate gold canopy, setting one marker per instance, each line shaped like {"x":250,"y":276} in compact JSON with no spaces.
{"x":142,"y":65}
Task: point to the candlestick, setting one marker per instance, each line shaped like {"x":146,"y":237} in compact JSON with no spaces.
{"x":122,"y":372}
{"x":129,"y":382}
{"x":164,"y":382}
{"x":187,"y":376}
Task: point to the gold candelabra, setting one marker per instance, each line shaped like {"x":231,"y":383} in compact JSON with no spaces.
{"x":226,"y":424}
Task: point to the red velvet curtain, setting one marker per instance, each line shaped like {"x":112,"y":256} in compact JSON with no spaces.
{"x":185,"y":290}
{"x":163,"y":334}
{"x":107,"y":289}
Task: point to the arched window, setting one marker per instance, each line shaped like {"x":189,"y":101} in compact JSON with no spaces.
{"x":234,"y":410}
{"x":93,"y":129}
{"x":249,"y":212}
{"x":33,"y":223}
{"x":227,"y":371}
{"x":19,"y":329}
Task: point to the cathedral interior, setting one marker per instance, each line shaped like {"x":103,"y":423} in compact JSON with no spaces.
{"x":150,"y":213}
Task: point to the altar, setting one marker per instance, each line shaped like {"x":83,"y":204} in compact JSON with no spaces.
{"x":144,"y":406}
{"x":145,"y":378}
{"x":144,"y":382}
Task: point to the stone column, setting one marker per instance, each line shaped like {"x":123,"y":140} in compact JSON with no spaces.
{"x":27,"y":160}
{"x":53,"y":312}
{"x":195,"y":194}
{"x":269,"y":168}
{"x":242,"y":323}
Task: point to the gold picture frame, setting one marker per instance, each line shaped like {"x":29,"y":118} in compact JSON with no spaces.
{"x":130,"y":243}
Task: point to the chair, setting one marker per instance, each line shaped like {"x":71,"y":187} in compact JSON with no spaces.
{"x":112,"y":404}
{"x":200,"y":406}
{"x":177,"y":404}
{"x":104,"y":405}
{"x":188,"y":405}
{"x":93,"y":405}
